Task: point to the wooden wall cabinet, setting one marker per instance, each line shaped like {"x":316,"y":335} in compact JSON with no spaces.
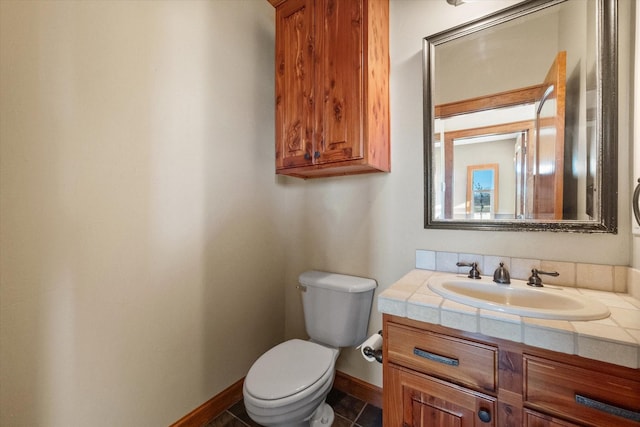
{"x":436,"y":376}
{"x":332,"y":87}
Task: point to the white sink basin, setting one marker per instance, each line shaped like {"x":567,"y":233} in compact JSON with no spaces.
{"x":518,"y":298}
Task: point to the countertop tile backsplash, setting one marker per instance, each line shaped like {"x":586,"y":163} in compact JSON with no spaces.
{"x":609,"y":278}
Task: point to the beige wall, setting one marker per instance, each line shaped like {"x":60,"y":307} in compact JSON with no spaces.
{"x":141,"y":268}
{"x":146,"y":245}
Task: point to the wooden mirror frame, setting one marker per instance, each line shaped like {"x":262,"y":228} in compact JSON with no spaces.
{"x":606,"y":127}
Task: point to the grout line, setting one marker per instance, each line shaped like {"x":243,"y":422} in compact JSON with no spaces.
{"x":233,"y":416}
{"x":359,"y":414}
{"x":352,"y":423}
{"x":338,"y":416}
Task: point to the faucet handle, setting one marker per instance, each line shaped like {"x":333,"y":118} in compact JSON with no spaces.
{"x":501,"y":275}
{"x":536,"y":281}
{"x":473,"y":273}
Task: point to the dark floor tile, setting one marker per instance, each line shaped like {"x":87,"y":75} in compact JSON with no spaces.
{"x":347,"y":410}
{"x":240,"y":411}
{"x":371,"y":416}
{"x":226,"y":419}
{"x":341,"y":422}
{"x":345,"y":405}
{"x":334,"y":395}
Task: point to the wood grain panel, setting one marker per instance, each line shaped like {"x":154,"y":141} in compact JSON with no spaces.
{"x":476,"y":363}
{"x":552,"y":387}
{"x":427,"y":401}
{"x":332,"y":87}
{"x":342,"y":81}
{"x":376,"y":74}
{"x":535,"y":419}
{"x":549,"y":144}
{"x":295,"y":76}
{"x":535,"y":387}
{"x":509,"y":98}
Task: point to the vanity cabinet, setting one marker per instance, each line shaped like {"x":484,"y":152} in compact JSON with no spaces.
{"x":437,"y":376}
{"x":332,"y":87}
{"x":427,"y":401}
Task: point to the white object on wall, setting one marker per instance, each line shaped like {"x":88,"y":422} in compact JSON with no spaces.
{"x":370,"y":346}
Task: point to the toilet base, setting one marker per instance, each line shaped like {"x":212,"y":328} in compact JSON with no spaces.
{"x":322,"y":417}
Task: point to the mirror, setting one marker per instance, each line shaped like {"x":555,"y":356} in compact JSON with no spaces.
{"x":520,"y":120}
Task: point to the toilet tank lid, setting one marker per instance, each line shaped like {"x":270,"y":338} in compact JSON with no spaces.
{"x":336,"y":282}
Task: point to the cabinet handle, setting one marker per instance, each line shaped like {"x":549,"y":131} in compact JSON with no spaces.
{"x":484,"y":415}
{"x":609,"y":409}
{"x":307,"y":156}
{"x":435,"y":357}
{"x":316,"y":155}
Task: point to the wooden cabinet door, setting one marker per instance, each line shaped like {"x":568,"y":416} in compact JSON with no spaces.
{"x":295,"y":83}
{"x":341,"y":108}
{"x":429,"y":402}
{"x":332,"y":87}
{"x":549,"y":143}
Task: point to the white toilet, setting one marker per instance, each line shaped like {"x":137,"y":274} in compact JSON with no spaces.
{"x":288,"y":385}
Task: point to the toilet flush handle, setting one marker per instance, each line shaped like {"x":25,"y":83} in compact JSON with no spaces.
{"x":302,"y":288}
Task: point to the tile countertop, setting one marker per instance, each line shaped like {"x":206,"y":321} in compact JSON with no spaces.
{"x":615,"y":339}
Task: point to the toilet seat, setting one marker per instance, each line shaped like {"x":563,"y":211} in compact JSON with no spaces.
{"x":292,"y":368}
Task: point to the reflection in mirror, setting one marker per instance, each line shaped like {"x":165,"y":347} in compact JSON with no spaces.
{"x":518,"y":97}
{"x":482,"y":191}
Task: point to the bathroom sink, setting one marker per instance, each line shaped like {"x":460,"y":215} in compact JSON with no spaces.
{"x":518,"y":298}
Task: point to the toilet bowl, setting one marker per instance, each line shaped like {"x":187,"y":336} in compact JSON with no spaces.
{"x":287,"y":386}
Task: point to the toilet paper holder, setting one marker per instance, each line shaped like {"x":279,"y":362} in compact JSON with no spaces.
{"x":376,"y":354}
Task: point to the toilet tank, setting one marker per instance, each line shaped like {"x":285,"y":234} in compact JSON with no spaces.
{"x":336,"y":307}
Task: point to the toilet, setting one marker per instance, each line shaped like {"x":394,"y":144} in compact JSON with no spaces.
{"x":288,"y":385}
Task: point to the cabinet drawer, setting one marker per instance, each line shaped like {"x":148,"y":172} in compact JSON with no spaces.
{"x":460,"y":361}
{"x":535,"y":419}
{"x":582,"y":395}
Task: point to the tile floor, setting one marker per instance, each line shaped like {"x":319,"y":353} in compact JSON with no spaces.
{"x":350,"y":412}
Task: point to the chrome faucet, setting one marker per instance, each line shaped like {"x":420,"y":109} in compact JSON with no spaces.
{"x":473,"y":273}
{"x":536,"y":281}
{"x":501,"y":275}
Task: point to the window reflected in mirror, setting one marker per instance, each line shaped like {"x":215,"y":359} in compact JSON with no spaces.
{"x":482,"y":191}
